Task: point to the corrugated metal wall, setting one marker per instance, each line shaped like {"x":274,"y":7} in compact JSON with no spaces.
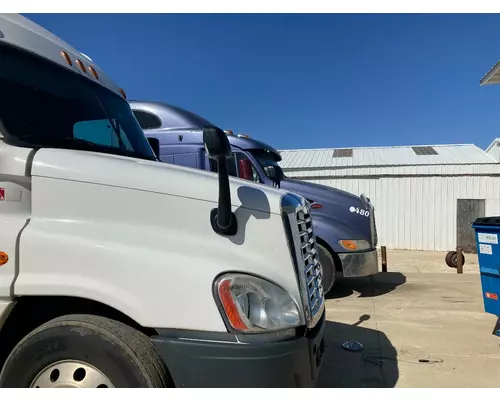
{"x":395,"y":170}
{"x":420,"y":213}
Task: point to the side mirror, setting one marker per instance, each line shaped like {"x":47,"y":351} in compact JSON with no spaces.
{"x":216,"y":143}
{"x":155,"y":145}
{"x":275,"y":173}
{"x":218,"y":148}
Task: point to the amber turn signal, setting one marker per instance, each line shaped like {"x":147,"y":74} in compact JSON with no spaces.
{"x":4,"y":258}
{"x":349,"y":244}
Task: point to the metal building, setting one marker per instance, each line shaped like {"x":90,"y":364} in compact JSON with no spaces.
{"x":425,"y":197}
{"x":492,"y":77}
{"x":493,"y":149}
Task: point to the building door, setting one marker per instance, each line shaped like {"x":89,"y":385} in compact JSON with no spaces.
{"x":467,"y":212}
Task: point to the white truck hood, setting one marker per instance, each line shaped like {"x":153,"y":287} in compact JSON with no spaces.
{"x":151,"y":176}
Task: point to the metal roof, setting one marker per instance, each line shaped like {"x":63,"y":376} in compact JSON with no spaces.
{"x":385,"y":156}
{"x":495,"y":142}
{"x":492,"y":76}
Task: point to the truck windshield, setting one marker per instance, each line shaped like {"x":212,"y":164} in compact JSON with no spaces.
{"x":45,"y":105}
{"x":264,"y":158}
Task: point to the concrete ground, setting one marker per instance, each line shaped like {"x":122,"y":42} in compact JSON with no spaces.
{"x":434,"y":317}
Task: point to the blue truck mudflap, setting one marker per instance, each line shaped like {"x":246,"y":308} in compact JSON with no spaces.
{"x":487,"y":231}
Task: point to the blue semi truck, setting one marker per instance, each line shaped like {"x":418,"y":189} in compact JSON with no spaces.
{"x":344,"y":223}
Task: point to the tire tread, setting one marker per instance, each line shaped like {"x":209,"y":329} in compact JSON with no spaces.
{"x":133,"y":341}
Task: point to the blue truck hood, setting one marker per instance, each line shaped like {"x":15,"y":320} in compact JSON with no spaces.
{"x":318,"y":193}
{"x":343,"y":215}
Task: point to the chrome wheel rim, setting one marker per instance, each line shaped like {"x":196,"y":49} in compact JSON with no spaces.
{"x":71,"y":374}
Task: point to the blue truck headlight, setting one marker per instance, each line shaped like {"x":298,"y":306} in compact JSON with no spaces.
{"x":252,"y":304}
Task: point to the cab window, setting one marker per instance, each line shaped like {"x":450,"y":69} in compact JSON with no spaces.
{"x":147,"y":120}
{"x":246,"y":169}
{"x":231,"y":166}
{"x":240,"y":166}
{"x":101,"y":133}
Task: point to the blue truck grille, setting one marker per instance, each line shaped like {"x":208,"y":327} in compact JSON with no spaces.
{"x":309,"y":259}
{"x":374,"y":227}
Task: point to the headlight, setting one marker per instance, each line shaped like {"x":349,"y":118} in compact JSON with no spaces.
{"x":253,"y":304}
{"x":355,"y":245}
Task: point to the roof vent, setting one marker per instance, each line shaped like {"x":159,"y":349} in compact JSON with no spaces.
{"x":424,"y":151}
{"x":340,"y":153}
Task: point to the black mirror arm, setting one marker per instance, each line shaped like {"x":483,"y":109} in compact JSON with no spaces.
{"x":222,"y":218}
{"x":224,"y":209}
{"x":217,"y":145}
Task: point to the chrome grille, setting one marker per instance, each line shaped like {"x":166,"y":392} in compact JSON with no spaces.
{"x":303,"y":250}
{"x":310,"y":258}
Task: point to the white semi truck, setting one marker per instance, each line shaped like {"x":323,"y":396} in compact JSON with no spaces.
{"x":117,"y":270}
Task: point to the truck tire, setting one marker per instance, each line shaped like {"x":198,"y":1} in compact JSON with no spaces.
{"x":328,"y":268}
{"x":80,"y":351}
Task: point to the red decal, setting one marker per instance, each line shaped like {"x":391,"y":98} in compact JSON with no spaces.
{"x":2,"y":194}
{"x":492,"y":296}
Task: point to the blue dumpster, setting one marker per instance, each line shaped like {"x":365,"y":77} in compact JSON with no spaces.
{"x":488,"y":250}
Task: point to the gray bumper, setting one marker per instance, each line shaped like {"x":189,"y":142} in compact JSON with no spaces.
{"x":196,"y":363}
{"x":359,"y":264}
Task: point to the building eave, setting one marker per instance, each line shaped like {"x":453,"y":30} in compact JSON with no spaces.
{"x":492,"y":77}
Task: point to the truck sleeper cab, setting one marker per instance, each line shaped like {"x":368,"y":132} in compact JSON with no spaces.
{"x":344,"y":223}
{"x":133,"y":272}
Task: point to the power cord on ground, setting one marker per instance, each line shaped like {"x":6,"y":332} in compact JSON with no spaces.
{"x":379,"y":360}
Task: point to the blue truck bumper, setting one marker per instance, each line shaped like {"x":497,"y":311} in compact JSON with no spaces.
{"x":361,"y":263}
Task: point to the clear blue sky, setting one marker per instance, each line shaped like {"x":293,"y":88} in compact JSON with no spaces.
{"x":306,"y":81}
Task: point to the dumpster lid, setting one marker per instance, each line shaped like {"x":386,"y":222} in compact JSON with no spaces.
{"x":487,"y":221}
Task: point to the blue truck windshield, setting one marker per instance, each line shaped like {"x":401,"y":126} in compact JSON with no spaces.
{"x":265,"y":159}
{"x":45,"y":105}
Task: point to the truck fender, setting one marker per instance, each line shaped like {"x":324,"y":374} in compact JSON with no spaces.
{"x":330,"y":230}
